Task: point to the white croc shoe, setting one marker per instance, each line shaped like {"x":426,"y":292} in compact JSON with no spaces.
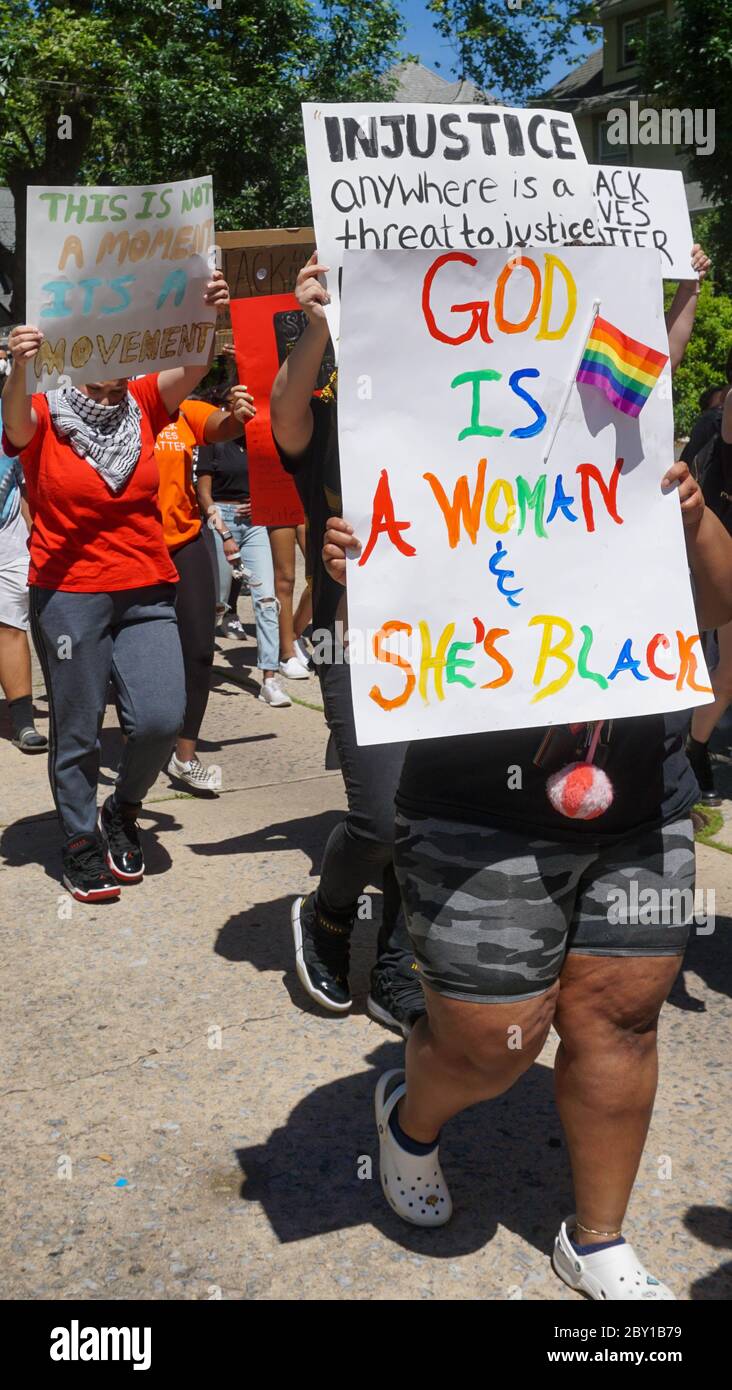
{"x":414,"y":1185}
{"x":616,"y":1274}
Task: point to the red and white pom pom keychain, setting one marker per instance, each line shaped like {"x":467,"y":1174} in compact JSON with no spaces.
{"x":581,"y":790}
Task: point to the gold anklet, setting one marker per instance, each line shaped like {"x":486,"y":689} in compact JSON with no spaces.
{"x":609,"y":1235}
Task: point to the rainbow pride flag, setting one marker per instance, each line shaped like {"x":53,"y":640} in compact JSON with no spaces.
{"x":623,"y":368}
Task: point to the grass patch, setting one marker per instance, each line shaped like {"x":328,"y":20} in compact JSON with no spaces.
{"x":305,"y":703}
{"x":708,"y":822}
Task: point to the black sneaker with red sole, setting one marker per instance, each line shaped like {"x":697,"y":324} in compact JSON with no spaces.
{"x":86,"y":874}
{"x":118,"y":825}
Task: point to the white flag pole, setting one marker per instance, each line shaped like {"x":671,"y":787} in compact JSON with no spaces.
{"x":570,"y":382}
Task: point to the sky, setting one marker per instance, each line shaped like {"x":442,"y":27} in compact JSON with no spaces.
{"x":422,"y":38}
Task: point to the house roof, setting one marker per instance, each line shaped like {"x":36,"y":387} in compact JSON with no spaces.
{"x":415,"y":82}
{"x":584,"y":81}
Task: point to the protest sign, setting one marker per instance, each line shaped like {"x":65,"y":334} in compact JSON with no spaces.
{"x":420,"y":177}
{"x":266,"y":329}
{"x":116,"y":278}
{"x":645,"y":207}
{"x":266,"y":261}
{"x":520,"y":564}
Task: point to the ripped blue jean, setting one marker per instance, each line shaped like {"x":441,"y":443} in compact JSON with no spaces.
{"x":256,"y":556}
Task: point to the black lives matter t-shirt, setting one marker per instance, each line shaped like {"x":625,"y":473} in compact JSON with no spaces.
{"x":491,"y":779}
{"x":317,"y":475}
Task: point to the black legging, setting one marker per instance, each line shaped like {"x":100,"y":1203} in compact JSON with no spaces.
{"x":195,"y":609}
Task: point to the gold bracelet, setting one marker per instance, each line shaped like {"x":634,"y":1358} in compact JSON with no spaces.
{"x":610,"y":1235}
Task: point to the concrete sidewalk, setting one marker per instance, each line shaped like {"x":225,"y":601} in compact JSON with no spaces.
{"x":180,"y":1124}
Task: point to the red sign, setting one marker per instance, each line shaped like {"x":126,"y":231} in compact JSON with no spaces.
{"x":260,"y":328}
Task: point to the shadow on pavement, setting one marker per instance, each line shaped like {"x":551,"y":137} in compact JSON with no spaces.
{"x":37,"y":840}
{"x":710,"y":957}
{"x":713,"y":1225}
{"x":308,"y":834}
{"x":504,"y":1161}
{"x":262,"y":935}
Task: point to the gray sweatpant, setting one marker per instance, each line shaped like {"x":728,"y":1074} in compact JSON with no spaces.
{"x":84,"y":641}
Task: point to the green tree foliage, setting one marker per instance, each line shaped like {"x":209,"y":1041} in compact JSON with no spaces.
{"x":506,"y":46}
{"x":705,"y":357}
{"x":169,"y":89}
{"x":691,"y":68}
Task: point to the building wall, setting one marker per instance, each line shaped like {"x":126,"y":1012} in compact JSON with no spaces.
{"x":613,"y":18}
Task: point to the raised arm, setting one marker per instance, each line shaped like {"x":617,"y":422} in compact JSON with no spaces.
{"x":178,"y":382}
{"x":19,"y":417}
{"x":229,"y":423}
{"x":290,"y":413}
{"x":682,"y":310}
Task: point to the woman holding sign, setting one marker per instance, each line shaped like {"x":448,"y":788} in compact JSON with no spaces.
{"x":102,"y":595}
{"x":522,"y":919}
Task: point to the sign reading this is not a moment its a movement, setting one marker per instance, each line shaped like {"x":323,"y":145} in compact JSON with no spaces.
{"x":116,"y":278}
{"x":396,"y":176}
{"x":505,"y":581}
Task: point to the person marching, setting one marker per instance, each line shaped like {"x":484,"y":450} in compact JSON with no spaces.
{"x":360,"y":849}
{"x":102,"y":595}
{"x":197,"y":424}
{"x":510,"y":911}
{"x":223,"y":493}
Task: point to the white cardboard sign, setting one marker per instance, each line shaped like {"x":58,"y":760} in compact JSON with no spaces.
{"x":398,"y":176}
{"x":499,"y":588}
{"x":116,"y":278}
{"x":646,"y":208}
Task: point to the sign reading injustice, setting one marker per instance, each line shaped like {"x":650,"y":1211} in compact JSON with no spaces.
{"x":420,"y":177}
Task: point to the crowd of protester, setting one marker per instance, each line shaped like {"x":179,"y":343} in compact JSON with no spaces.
{"x":494,"y":906}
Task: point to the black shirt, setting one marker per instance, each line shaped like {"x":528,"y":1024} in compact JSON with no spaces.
{"x":490,"y":779}
{"x":703,"y":429}
{"x":317,"y":475}
{"x":229,"y":470}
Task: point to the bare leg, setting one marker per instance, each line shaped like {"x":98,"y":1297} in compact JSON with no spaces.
{"x":303,"y":612}
{"x":15,"y":662}
{"x":605,"y":1075}
{"x":462,"y":1053}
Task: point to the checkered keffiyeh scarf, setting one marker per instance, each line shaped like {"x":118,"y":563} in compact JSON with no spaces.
{"x":109,"y":437}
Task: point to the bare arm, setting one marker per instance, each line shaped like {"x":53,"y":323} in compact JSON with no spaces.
{"x":682,"y":310}
{"x":708,"y":550}
{"x":229,"y":424}
{"x":19,"y":418}
{"x":207,"y":505}
{"x":178,"y":382}
{"x":292,"y":419}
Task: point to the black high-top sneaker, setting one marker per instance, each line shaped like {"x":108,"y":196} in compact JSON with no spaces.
{"x":701,"y":766}
{"x":86,"y":874}
{"x":118,"y":825}
{"x":396,"y":999}
{"x":322,"y":952}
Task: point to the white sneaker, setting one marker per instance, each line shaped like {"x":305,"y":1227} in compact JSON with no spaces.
{"x":302,"y":654}
{"x":293,"y":669}
{"x":206,"y":781}
{"x":273,"y":694}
